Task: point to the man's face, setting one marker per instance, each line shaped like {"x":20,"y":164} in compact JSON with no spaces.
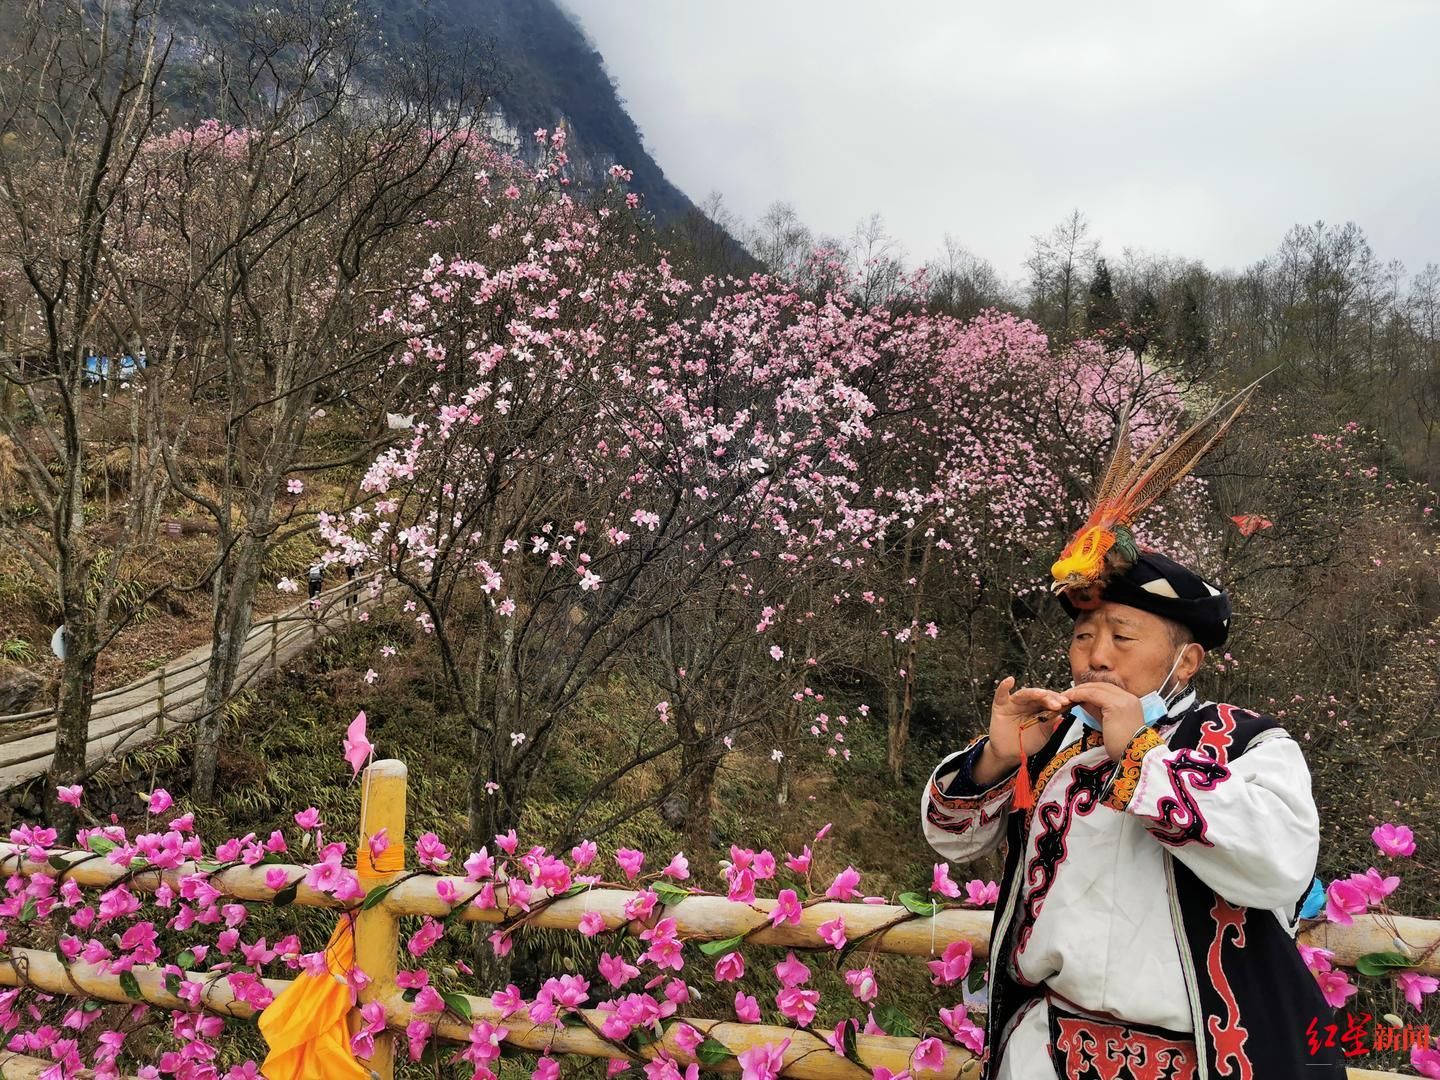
{"x":1125,"y":646}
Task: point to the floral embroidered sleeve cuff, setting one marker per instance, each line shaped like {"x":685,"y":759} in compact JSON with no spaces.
{"x":1130,"y":772}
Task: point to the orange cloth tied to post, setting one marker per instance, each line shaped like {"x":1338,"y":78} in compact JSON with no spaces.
{"x":306,"y":1026}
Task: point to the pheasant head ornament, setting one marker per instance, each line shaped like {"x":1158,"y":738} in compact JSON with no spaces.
{"x":1105,"y":547}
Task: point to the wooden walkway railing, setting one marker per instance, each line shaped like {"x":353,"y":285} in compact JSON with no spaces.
{"x":702,"y":918}
{"x":131,"y":715}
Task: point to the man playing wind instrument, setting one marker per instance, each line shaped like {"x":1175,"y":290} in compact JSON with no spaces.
{"x":1158,"y":845}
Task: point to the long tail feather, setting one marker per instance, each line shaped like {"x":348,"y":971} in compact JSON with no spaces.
{"x":1122,"y":459}
{"x":1168,"y":467}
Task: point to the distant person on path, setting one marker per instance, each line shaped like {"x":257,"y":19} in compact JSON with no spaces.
{"x":317,"y":579}
{"x":1159,"y":846}
{"x":350,"y":577}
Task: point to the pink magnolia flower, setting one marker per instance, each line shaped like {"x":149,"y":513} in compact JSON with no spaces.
{"x":423,"y":939}
{"x":687,"y":1039}
{"x":953,"y":965}
{"x":592,"y":923}
{"x":1316,"y":959}
{"x":70,"y":794}
{"x":159,"y":801}
{"x":843,"y":887}
{"x":763,"y":1062}
{"x":981,"y":893}
{"x":508,"y":842}
{"x":616,"y":971}
{"x":963,"y":1029}
{"x":833,"y":932}
{"x":357,"y":747}
{"x":729,"y":967}
{"x":787,"y":908}
{"x":1344,"y":899}
{"x":940,"y":882}
{"x":799,"y":864}
{"x":583,"y":854}
{"x":507,"y":1001}
{"x":1425,"y":1060}
{"x":747,"y":1009}
{"x":1415,"y":986}
{"x":1375,"y":887}
{"x":307,"y":819}
{"x":679,"y":868}
{"x":546,"y":1068}
{"x":929,"y":1055}
{"x":1394,"y":840}
{"x":479,"y":866}
{"x":790,"y":971}
{"x":630,"y":861}
{"x":862,"y":985}
{"x":418,"y":1033}
{"x":798,"y":1004}
{"x":431,"y":852}
{"x":1336,"y":987}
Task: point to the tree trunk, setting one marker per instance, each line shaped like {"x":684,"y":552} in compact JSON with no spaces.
{"x":700,"y":767}
{"x":497,"y":811}
{"x":72,"y":725}
{"x":234,"y":595}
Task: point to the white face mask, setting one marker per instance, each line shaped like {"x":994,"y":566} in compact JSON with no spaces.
{"x":1154,"y":706}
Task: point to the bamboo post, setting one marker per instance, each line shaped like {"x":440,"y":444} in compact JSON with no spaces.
{"x":377,"y":931}
{"x":160,"y":705}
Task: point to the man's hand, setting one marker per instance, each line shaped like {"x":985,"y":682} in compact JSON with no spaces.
{"x":1118,"y":711}
{"x":1002,"y":751}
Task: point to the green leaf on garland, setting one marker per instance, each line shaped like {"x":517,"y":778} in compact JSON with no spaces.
{"x":715,"y":948}
{"x":172,"y":983}
{"x":186,"y":959}
{"x":91,"y":1005}
{"x":100,"y":845}
{"x":131,"y":986}
{"x":29,"y":911}
{"x":286,"y":896}
{"x":976,"y":978}
{"x":59,"y":862}
{"x":1378,"y":963}
{"x":458,"y":1004}
{"x":713,"y":1052}
{"x":847,"y":1042}
{"x":893,"y":1022}
{"x":669,"y":894}
{"x":917,"y":905}
{"x":573,"y":890}
{"x":374,"y":896}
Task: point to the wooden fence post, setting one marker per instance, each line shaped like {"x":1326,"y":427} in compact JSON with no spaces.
{"x":274,"y":636}
{"x":160,"y":706}
{"x":377,"y":931}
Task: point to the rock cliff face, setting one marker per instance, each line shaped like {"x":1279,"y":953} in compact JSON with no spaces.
{"x":551,"y":70}
{"x":545,"y":70}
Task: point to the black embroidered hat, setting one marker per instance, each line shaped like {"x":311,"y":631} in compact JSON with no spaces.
{"x":1163,"y":587}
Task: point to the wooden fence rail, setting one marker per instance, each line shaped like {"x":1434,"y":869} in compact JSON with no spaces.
{"x":699,"y":918}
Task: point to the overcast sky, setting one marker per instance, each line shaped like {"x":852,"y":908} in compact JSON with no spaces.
{"x":1202,"y":129}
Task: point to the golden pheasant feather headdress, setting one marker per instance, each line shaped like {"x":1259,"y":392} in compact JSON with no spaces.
{"x":1104,"y":547}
